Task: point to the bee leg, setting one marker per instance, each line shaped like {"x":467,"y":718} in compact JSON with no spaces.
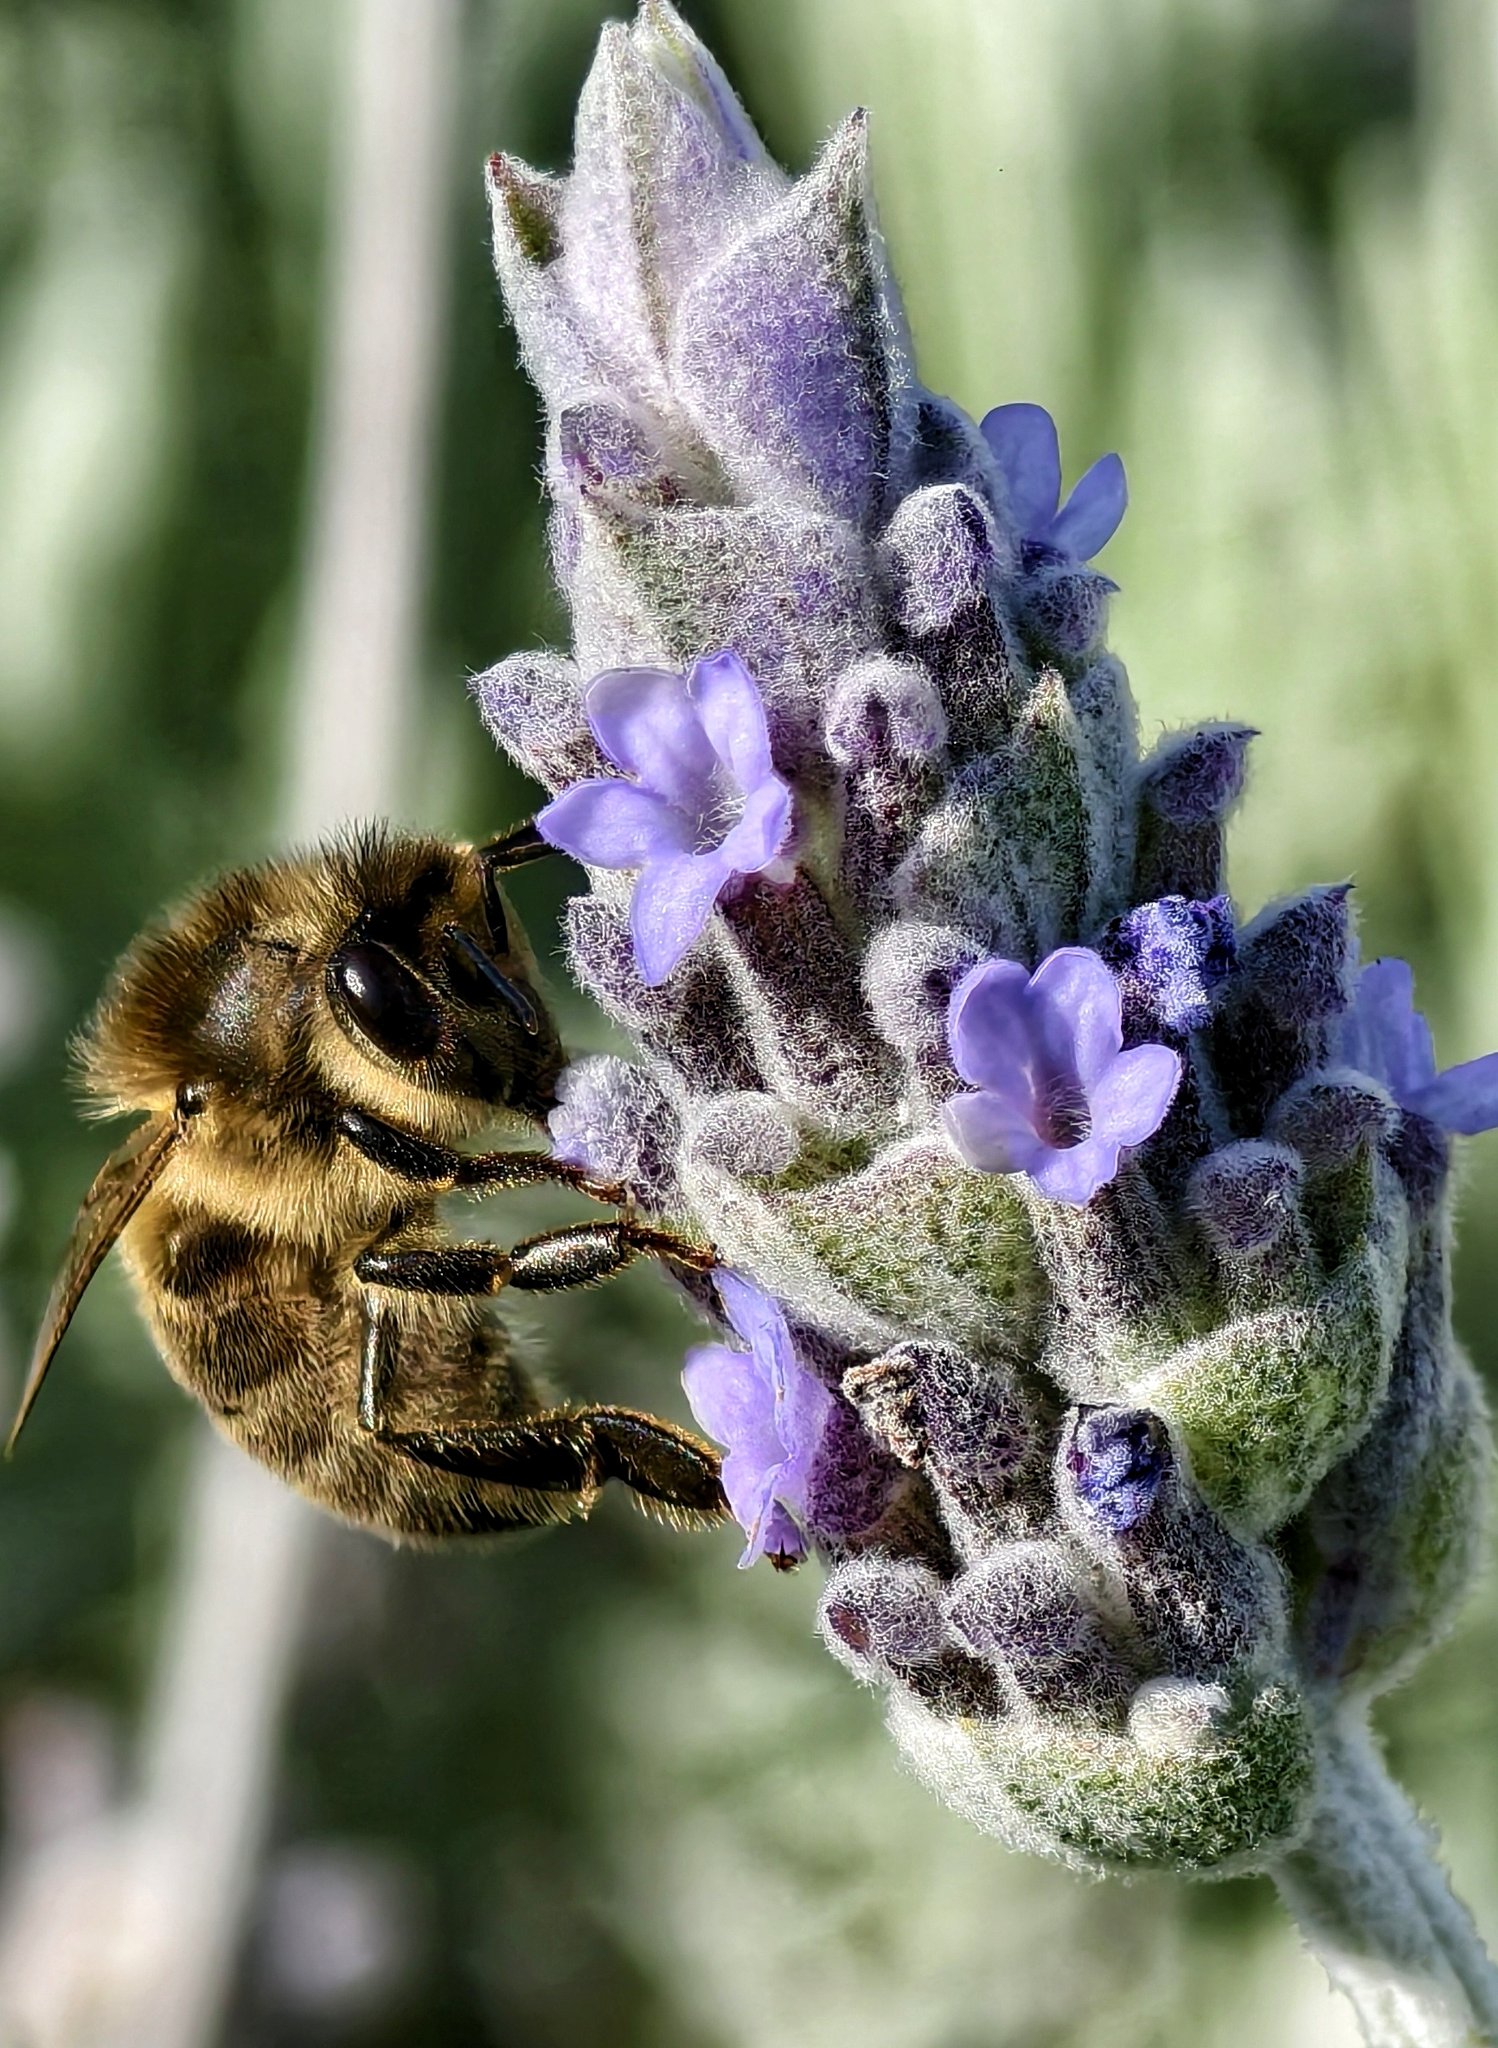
{"x":426,"y":1165}
{"x":575,"y":1450}
{"x":575,"y":1257}
{"x":557,"y":1450}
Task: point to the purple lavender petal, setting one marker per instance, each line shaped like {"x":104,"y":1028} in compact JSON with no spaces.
{"x":1025,"y":446}
{"x":752,"y":844}
{"x":1075,"y":1174}
{"x":993,"y":1134}
{"x":613,"y":824}
{"x":1130,"y":1100}
{"x":1092,"y":514}
{"x":1077,"y":1003}
{"x":749,"y":1486}
{"x":770,"y":1412}
{"x":802,"y":1407}
{"x":758,"y":1319}
{"x":776,"y":1536}
{"x":1384,"y":1034}
{"x":989,"y":1027}
{"x":647,"y":724}
{"x":672,"y":903}
{"x":732,"y":713}
{"x":1463,"y":1100}
{"x":727,"y":1393}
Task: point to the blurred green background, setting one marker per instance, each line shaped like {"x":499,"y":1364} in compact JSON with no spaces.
{"x":601,"y":1788}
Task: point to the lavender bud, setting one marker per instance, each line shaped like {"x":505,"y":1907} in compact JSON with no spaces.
{"x":1332,"y":1116}
{"x":1021,"y":1604}
{"x":693,"y":1023}
{"x":605,"y":452}
{"x":1020,"y":1610}
{"x":616,"y":1121}
{"x":962,"y":1424}
{"x":886,"y":728}
{"x":1204,"y":1603}
{"x":943,"y":553}
{"x":853,"y":1478}
{"x":812,"y":1036}
{"x":1420,"y":1154}
{"x":1195,"y":778}
{"x":1277,"y":1017}
{"x":910,"y":971}
{"x":1186,"y":789}
{"x":1296,"y":957}
{"x":1064,"y":611}
{"x":883,"y":712}
{"x":947,"y":448}
{"x":1115,"y":1461}
{"x":1247,"y":1197}
{"x":879,"y":1614}
{"x":1170,"y":958}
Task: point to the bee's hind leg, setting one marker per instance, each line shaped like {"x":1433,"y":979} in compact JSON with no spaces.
{"x":549,"y":1451}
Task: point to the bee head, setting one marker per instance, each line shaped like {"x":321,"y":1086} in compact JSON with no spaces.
{"x":383,"y":970}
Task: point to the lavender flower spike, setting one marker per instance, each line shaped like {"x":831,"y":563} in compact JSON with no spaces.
{"x":770,"y":1412}
{"x":1206,"y":1414}
{"x":1059,"y":1098}
{"x":1026,"y":447}
{"x":702,"y":803}
{"x":1384,"y":1035}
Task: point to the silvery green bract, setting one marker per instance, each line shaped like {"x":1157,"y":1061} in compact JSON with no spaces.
{"x":1132,"y":1502}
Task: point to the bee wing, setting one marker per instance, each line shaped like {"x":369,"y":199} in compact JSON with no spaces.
{"x":120,"y":1186}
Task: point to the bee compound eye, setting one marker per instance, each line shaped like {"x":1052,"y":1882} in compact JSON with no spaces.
{"x":383,"y":999}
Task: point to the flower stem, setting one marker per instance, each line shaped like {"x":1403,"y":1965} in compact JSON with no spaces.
{"x":1374,"y":1905}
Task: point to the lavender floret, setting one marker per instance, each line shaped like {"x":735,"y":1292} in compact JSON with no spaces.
{"x":1058,"y":1097}
{"x":1027,"y":449}
{"x":770,"y":1412}
{"x":697,"y":802}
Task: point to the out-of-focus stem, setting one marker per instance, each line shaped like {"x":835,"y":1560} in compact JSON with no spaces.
{"x":1374,"y":1905}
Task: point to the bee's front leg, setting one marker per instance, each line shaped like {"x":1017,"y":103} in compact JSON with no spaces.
{"x":574,"y":1257}
{"x":436,"y":1169}
{"x":553,"y":1450}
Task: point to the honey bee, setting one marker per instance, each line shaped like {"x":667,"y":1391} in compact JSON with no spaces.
{"x":311,"y":1041}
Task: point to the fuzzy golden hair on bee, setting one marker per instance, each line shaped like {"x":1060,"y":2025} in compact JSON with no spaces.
{"x":308,"y":1041}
